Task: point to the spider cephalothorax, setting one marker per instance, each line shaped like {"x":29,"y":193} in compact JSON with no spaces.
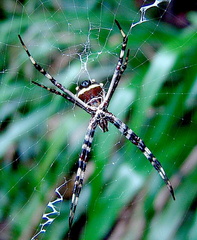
{"x":92,"y":98}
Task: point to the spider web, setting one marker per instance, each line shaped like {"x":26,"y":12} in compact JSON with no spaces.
{"x":41,"y":134}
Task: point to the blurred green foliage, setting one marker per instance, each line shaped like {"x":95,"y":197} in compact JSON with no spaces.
{"x":41,"y":134}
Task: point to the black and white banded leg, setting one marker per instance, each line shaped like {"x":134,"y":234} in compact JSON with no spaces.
{"x":119,"y":70}
{"x":86,"y":148}
{"x":68,"y":94}
{"x":133,"y":138}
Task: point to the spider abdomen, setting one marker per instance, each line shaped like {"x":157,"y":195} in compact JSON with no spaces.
{"x":91,"y":92}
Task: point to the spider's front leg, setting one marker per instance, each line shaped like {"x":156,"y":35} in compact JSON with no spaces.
{"x":86,"y":148}
{"x":133,"y":138}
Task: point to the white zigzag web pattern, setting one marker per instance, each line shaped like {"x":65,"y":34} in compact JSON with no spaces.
{"x":53,"y":214}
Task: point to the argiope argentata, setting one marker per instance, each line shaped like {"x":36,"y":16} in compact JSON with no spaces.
{"x":92,"y":98}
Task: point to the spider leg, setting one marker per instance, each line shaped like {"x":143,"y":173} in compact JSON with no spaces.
{"x":133,"y":138}
{"x":63,"y":95}
{"x":54,"y":81}
{"x":120,"y":68}
{"x":86,"y":148}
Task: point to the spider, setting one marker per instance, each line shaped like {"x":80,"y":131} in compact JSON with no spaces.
{"x":91,"y":97}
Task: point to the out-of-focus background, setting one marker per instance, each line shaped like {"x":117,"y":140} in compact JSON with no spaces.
{"x":41,"y":135}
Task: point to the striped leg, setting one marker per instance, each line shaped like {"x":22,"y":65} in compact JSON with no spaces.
{"x":62,"y":95}
{"x":133,"y":138}
{"x":86,"y":147}
{"x":75,"y":99}
{"x":120,"y":68}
